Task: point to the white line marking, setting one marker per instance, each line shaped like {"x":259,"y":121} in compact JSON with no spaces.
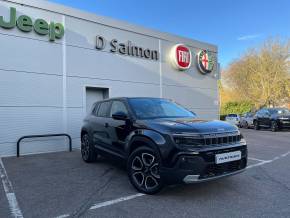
{"x":63,"y":216}
{"x":126,"y":198}
{"x":11,"y":198}
{"x":284,"y":155}
{"x":108,"y":203}
{"x":268,"y":161}
{"x":252,"y":158}
{"x":115,"y":201}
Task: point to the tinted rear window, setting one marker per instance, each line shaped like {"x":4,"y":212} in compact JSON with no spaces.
{"x":104,"y":109}
{"x":232,"y":115}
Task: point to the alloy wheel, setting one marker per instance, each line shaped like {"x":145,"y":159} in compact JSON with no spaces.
{"x":274,"y":126}
{"x":256,"y":125}
{"x":145,"y":171}
{"x":85,"y":147}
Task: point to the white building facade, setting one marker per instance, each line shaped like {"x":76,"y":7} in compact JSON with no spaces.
{"x":56,"y":61}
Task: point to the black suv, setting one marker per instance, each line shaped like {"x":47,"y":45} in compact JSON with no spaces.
{"x":161,"y":142}
{"x":274,"y":118}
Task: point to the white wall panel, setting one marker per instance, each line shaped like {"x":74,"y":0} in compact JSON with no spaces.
{"x":193,"y":98}
{"x":22,"y":54}
{"x":105,"y":65}
{"x":20,"y":121}
{"x":29,"y":89}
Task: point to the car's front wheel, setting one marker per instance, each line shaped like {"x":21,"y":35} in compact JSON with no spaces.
{"x":274,"y":126}
{"x":143,"y":168}
{"x":88,"y":151}
{"x":256,"y":125}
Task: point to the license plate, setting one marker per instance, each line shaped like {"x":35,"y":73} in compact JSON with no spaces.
{"x":227,"y":157}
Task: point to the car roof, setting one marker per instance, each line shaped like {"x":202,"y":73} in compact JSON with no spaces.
{"x":126,"y":98}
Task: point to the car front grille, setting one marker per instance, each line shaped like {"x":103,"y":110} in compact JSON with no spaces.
{"x":208,"y":139}
{"x":219,"y":169}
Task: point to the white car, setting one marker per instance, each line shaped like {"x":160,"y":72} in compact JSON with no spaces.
{"x":247,"y":120}
{"x":234,"y":119}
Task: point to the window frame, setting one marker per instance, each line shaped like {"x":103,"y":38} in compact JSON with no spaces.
{"x":125,"y":105}
{"x":109,"y":109}
{"x":95,"y":109}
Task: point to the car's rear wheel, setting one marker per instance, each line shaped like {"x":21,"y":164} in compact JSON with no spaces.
{"x":256,"y":125}
{"x":246,"y":125}
{"x":143,"y":168}
{"x":88,"y":151}
{"x":274,"y":126}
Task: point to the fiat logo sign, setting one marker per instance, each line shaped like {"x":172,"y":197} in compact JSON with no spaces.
{"x":180,"y":56}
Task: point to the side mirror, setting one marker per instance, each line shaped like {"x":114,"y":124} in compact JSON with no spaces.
{"x":119,"y":115}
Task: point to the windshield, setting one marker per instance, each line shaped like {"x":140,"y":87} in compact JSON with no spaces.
{"x":151,"y":108}
{"x":232,"y":115}
{"x":279,"y":111}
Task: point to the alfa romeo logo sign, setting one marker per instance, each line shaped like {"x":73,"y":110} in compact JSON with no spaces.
{"x":180,"y":57}
{"x":205,"y":61}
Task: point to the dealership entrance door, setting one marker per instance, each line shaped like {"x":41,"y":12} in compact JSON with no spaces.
{"x":94,"y":94}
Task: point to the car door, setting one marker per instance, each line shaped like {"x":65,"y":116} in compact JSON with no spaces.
{"x":267,"y":118}
{"x":99,"y":123}
{"x":262,"y":117}
{"x":258,"y":116}
{"x":118,"y":129}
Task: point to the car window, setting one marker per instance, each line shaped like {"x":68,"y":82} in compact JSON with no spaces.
{"x":118,"y":106}
{"x":95,"y":109}
{"x":104,"y":109}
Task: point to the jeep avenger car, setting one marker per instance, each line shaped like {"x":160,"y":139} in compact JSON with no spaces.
{"x":162,"y":142}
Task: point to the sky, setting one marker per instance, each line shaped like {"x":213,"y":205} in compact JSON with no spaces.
{"x":233,"y":25}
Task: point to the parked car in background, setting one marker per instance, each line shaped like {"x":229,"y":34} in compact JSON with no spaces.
{"x":247,"y":120}
{"x":233,"y":119}
{"x":274,"y":118}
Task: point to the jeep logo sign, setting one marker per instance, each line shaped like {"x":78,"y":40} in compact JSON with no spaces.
{"x":25,"y":24}
{"x":180,"y":56}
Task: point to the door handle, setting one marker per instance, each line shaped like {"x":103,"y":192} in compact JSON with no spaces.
{"x":106,"y":125}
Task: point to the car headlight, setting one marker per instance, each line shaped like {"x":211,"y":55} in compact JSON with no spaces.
{"x":242,"y":141}
{"x":189,"y":141}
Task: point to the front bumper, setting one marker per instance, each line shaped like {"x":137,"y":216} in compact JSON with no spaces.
{"x":284,"y":123}
{"x":200,"y":166}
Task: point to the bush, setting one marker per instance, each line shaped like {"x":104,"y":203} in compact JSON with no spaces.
{"x":236,"y":108}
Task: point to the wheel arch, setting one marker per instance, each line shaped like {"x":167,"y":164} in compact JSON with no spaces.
{"x":148,"y":138}
{"x":84,"y":131}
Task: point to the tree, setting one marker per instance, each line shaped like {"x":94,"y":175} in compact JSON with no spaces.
{"x":261,"y":76}
{"x":236,"y":107}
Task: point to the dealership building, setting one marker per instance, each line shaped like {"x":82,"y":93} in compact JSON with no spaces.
{"x":55,"y":62}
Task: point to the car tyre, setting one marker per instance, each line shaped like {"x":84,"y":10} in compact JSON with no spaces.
{"x":256,"y":125}
{"x":89,"y":153}
{"x":274,"y":126}
{"x":246,"y":125}
{"x":143,"y":167}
